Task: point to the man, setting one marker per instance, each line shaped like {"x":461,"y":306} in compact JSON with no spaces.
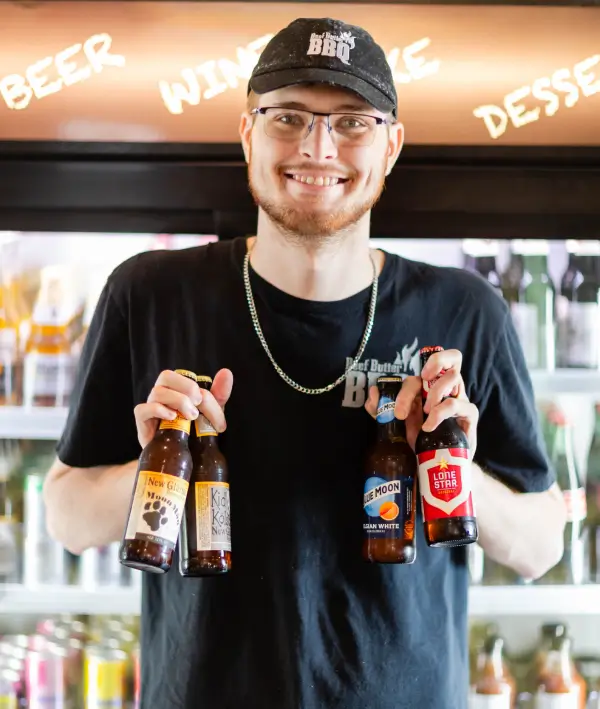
{"x":306,"y":316}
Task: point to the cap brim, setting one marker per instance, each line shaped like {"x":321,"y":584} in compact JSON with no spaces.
{"x":263,"y":83}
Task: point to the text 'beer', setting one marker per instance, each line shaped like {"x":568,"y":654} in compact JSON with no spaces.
{"x":159,"y":495}
{"x":445,"y":478}
{"x":389,"y":499}
{"x":205,"y":542}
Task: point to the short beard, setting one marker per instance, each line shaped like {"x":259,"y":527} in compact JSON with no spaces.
{"x":302,"y":225}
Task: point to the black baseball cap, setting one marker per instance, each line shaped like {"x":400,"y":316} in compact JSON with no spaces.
{"x":326,"y":51}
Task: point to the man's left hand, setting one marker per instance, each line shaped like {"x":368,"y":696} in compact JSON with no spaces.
{"x":445,"y":365}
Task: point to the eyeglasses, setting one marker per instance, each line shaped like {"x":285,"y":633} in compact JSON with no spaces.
{"x":345,"y":129}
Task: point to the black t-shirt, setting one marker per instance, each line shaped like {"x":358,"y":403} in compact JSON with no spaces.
{"x":301,"y":622}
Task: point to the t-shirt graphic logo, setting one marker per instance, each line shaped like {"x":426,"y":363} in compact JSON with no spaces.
{"x":332,"y":45}
{"x":366,"y":373}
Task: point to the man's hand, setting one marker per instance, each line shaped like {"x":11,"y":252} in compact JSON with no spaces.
{"x":443,"y":371}
{"x":174,"y":393}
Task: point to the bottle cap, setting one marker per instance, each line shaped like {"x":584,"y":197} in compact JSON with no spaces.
{"x":186,"y":373}
{"x":203,"y":378}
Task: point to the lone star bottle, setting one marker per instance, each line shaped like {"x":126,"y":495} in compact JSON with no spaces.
{"x":445,"y":479}
{"x":159,"y":495}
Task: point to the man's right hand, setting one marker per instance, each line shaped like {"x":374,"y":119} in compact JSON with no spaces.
{"x":174,"y":393}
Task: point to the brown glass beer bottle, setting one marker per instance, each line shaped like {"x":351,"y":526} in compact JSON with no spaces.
{"x":158,"y":499}
{"x":390,"y":493}
{"x":205,"y":539}
{"x":445,"y":479}
{"x":493,"y":686}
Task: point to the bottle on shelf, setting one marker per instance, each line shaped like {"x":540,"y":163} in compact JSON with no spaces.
{"x":579,"y":307}
{"x":8,"y":523}
{"x":205,"y":537}
{"x":492,"y":686}
{"x":11,"y":356}
{"x":50,"y":362}
{"x":571,"y":568}
{"x":480,"y":257}
{"x":159,"y":495}
{"x":532,"y":303}
{"x":593,"y":499}
{"x":559,"y":685}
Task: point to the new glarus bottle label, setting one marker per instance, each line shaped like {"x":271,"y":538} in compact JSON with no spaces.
{"x":445,"y":483}
{"x":157,"y":508}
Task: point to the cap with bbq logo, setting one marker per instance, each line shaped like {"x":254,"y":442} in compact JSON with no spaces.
{"x":327,"y":51}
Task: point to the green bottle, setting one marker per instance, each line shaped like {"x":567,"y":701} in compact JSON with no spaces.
{"x":532,"y":304}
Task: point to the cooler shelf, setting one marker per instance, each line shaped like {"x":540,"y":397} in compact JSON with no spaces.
{"x":484,"y":601}
{"x":50,"y":600}
{"x":43,"y":424}
{"x":550,"y":601}
{"x":47,"y":424}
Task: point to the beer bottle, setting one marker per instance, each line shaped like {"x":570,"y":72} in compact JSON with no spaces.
{"x":158,"y":498}
{"x":558,"y":676}
{"x":205,"y":541}
{"x":390,"y":486}
{"x":445,"y":479}
{"x":493,"y":686}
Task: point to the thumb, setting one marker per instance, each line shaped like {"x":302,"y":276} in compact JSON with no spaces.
{"x":222,"y":386}
{"x":372,"y":401}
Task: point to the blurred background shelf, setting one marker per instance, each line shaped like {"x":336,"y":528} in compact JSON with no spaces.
{"x":50,"y":600}
{"x":484,"y":601}
{"x":47,"y":423}
{"x":550,"y":601}
{"x":42,"y":424}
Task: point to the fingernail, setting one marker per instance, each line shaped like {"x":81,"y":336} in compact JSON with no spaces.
{"x":197,"y":399}
{"x":191,"y":412}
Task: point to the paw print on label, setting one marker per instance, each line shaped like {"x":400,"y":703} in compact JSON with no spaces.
{"x":156,"y":515}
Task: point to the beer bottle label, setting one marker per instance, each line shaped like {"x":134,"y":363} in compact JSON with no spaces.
{"x":179,"y":423}
{"x":490,"y":701}
{"x":569,"y":700}
{"x":204,"y":427}
{"x":213,"y":517}
{"x":388,"y":506}
{"x":385,"y":409}
{"x":158,"y":504}
{"x":576,"y":504}
{"x":445,"y":483}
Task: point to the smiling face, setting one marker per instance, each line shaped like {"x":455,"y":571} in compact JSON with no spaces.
{"x":313,"y":187}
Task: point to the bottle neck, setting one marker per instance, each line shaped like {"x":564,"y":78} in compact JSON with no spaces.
{"x":392,"y":431}
{"x":536,"y":264}
{"x":173,"y":434}
{"x":494,"y":664}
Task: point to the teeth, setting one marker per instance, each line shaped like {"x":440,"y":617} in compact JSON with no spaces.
{"x":320,"y":181}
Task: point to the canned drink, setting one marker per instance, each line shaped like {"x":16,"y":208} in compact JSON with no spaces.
{"x":9,"y":694}
{"x":105,"y":676}
{"x":45,"y":674}
{"x":45,"y":561}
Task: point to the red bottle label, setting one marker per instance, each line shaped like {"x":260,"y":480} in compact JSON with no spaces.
{"x":445,"y":483}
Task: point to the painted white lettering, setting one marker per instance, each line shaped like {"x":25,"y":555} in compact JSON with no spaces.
{"x":549,"y":90}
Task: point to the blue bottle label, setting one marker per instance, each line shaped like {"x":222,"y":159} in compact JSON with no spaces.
{"x":388,"y":506}
{"x":385,"y":409}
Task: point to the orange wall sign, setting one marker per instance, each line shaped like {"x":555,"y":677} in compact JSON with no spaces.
{"x":177,"y":72}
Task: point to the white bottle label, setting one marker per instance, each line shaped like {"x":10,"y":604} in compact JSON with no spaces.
{"x":49,"y":376}
{"x":204,"y":427}
{"x":490,"y":701}
{"x":576,"y":504}
{"x":558,"y":701}
{"x":525,"y":318}
{"x":157,"y":508}
{"x":8,"y":341}
{"x":582,"y":333}
{"x":213,"y":517}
